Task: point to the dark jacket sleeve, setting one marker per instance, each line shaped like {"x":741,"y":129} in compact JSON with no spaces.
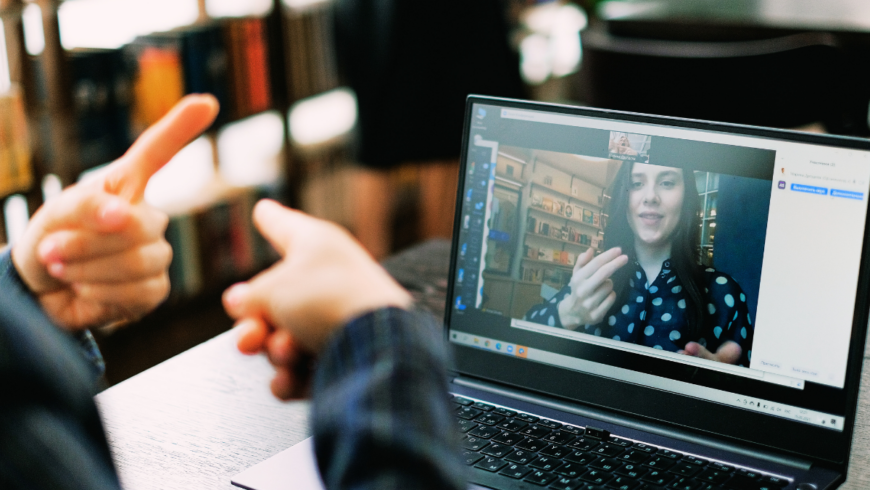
{"x":380,"y":414}
{"x":51,"y":436}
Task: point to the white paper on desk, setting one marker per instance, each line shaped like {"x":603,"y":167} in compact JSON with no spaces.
{"x":292,"y":469}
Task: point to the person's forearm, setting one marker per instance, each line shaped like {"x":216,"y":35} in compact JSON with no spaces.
{"x":380,"y":414}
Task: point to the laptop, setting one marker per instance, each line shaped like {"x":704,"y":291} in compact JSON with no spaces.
{"x":644,"y":302}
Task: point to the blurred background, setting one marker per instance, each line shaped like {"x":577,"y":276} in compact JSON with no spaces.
{"x":352,"y":110}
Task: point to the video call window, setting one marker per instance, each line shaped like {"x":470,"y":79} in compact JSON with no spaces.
{"x":628,"y":249}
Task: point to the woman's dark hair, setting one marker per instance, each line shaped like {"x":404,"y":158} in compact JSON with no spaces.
{"x":685,"y":245}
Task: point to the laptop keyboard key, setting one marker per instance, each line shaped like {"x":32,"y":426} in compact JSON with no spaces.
{"x":665,"y":453}
{"x":490,"y":464}
{"x":616,"y":441}
{"x":471,"y":457}
{"x":606,"y":464}
{"x":563,"y":483}
{"x":634,"y":456}
{"x":546,"y":463}
{"x":608,"y":450}
{"x":658,"y":477}
{"x":521,"y":457}
{"x":535,"y":431}
{"x":583,"y":444}
{"x":515,"y":471}
{"x":596,"y":477}
{"x":572,"y":430}
{"x":497,"y":450}
{"x":531,"y":419}
{"x":774,"y":481}
{"x":659,"y":462}
{"x":465,"y":425}
{"x":504,"y":412}
{"x":512,"y":425}
{"x":752,"y":475}
{"x":540,"y":478}
{"x":549,"y":424}
{"x":556,"y":451}
{"x":721,"y":467}
{"x":474,"y":443}
{"x":484,"y":432}
{"x":623,"y":483}
{"x":571,"y":470}
{"x":468,"y":413}
{"x":644,"y":448}
{"x":580,"y":457}
{"x":685,"y":484}
{"x":533,"y":445}
{"x":489,"y":419}
{"x":713,"y":476}
{"x":483,"y":406}
{"x":559,"y":437}
{"x":596,"y":433}
{"x":632,"y":471}
{"x":508,"y":438}
{"x":685,"y":469}
{"x":696,"y":461}
{"x":462,"y":401}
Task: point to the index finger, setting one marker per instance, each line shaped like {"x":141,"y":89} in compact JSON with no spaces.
{"x":593,"y":265}
{"x":129,"y":175}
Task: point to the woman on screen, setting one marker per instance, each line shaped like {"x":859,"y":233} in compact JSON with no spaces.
{"x":647,"y":287}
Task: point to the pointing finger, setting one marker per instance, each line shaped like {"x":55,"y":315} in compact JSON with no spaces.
{"x":281,"y":226}
{"x":128,"y":176}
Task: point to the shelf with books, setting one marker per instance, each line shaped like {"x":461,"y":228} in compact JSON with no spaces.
{"x":244,"y":61}
{"x":549,"y":263}
{"x":572,"y":220}
{"x":559,"y":240}
{"x":568,"y":196}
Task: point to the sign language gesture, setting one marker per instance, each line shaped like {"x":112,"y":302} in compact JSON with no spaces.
{"x":324,"y":280}
{"x":591,"y":288}
{"x":96,"y":254}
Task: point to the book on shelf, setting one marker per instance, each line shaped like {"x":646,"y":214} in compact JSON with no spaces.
{"x":16,"y":173}
{"x":248,"y":71}
{"x":159,"y":80}
{"x":310,"y":52}
{"x":189,"y":59}
{"x":100,"y":84}
{"x":588,"y":216}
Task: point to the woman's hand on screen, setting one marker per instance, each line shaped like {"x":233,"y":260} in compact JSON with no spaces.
{"x":729,"y":352}
{"x":591,"y":288}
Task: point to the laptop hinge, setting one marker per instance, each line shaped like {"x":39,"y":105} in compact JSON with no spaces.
{"x":658,"y":429}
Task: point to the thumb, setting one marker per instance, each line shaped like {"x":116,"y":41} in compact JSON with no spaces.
{"x":128,"y":176}
{"x":282,"y":226}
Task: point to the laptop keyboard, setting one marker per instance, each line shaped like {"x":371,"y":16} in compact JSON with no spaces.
{"x":519,"y":446}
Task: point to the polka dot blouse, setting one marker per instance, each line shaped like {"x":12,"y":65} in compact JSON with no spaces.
{"x":654,"y":315}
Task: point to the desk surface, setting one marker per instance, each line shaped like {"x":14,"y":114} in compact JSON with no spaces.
{"x":199,"y":418}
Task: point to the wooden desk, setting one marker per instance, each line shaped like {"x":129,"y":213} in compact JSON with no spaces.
{"x":199,"y":418}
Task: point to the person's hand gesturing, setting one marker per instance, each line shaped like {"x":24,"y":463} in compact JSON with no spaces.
{"x":591,"y":288}
{"x":96,"y":254}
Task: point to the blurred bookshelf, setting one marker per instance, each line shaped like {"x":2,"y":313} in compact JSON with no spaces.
{"x":81,"y":79}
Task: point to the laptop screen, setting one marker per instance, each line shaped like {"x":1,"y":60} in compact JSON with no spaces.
{"x":714,"y":265}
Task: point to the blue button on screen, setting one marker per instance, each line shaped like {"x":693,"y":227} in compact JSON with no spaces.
{"x":821,"y":191}
{"x":847,"y":194}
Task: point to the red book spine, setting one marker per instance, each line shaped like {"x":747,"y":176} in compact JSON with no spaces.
{"x":258,"y":74}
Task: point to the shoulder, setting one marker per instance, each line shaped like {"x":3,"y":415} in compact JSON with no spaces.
{"x":719,"y":284}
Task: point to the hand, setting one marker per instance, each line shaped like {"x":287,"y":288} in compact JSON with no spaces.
{"x":293,"y":366}
{"x":591,"y":288}
{"x":96,"y":254}
{"x":324,"y":280}
{"x":729,"y":352}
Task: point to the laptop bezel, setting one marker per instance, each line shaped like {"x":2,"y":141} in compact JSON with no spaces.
{"x":745,"y":427}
